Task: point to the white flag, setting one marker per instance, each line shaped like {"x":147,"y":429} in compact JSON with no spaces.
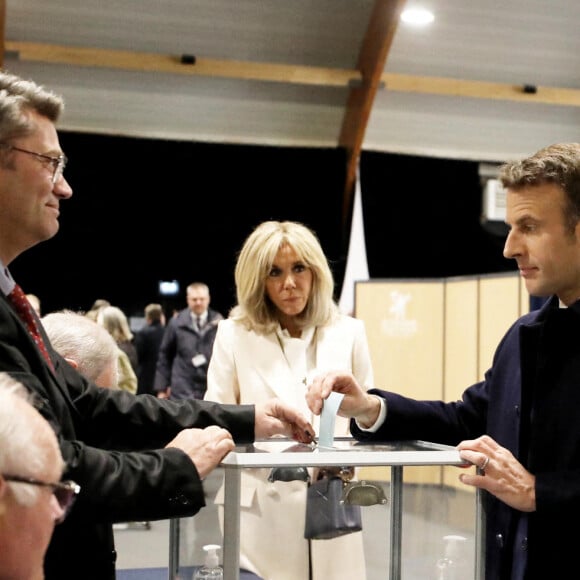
{"x":356,"y":262}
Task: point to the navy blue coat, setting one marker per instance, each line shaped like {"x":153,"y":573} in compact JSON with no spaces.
{"x":177,"y":366}
{"x":113,"y":444}
{"x":529,"y":402}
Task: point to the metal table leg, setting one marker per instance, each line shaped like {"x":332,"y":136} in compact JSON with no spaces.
{"x":173,"y":570}
{"x":479,"y":536}
{"x":232,"y":524}
{"x":396,"y":521}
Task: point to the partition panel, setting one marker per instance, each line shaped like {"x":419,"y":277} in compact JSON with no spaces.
{"x":460,"y":347}
{"x":461,"y":336}
{"x":499,"y":308}
{"x":404,"y":324}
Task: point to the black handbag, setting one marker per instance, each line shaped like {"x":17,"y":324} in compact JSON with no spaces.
{"x":327,"y":516}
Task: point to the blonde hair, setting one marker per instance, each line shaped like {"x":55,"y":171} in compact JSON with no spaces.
{"x":113,"y":319}
{"x":255,"y":260}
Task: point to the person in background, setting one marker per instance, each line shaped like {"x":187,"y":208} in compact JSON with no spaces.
{"x":32,"y":497}
{"x":136,"y":458}
{"x":147,"y":343}
{"x":114,"y":321}
{"x":285,"y":327}
{"x":94,"y":309}
{"x":126,"y":377}
{"x":520,"y":424}
{"x":85,"y":345}
{"x":35,"y":302}
{"x":187,"y":346}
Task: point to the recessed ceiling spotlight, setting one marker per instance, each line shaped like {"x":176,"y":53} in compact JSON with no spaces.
{"x":417,"y":16}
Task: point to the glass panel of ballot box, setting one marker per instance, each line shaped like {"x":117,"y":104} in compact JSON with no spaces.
{"x":406,"y":537}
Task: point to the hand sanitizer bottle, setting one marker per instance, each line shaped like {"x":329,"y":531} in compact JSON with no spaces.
{"x":211,"y":570}
{"x":453,"y":565}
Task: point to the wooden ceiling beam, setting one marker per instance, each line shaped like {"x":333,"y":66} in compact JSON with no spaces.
{"x":481,"y":90}
{"x":182,"y":64}
{"x":371,"y":63}
{"x":308,"y":75}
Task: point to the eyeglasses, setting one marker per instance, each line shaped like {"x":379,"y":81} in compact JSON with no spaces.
{"x":58,"y":163}
{"x":64,"y":491}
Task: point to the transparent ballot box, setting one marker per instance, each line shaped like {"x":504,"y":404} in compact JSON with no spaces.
{"x":405,"y":531}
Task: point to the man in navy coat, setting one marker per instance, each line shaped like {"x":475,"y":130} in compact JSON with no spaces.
{"x":187,"y":346}
{"x":521,"y":424}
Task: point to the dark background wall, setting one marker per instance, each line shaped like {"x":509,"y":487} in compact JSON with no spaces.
{"x":423,"y":218}
{"x":149,"y":210}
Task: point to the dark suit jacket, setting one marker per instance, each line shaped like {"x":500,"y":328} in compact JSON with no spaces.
{"x":113,"y":444}
{"x":529,"y":403}
{"x":147,"y":342}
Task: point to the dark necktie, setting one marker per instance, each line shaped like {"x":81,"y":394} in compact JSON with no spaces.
{"x":24,"y":311}
{"x":199,"y":323}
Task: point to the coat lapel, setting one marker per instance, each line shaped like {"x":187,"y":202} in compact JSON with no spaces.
{"x":330,"y":348}
{"x":272,"y":366}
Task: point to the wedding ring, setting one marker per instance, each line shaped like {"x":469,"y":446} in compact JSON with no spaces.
{"x":484,"y":464}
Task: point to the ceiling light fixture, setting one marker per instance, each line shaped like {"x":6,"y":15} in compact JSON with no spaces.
{"x":417,"y":16}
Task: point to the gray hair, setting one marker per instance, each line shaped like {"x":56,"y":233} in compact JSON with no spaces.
{"x":73,"y":335}
{"x":20,"y":453}
{"x":19,"y":96}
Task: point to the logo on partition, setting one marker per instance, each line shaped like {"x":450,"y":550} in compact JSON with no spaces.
{"x":397,"y":324}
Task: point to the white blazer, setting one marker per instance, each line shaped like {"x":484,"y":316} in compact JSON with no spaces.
{"x":246,"y":367}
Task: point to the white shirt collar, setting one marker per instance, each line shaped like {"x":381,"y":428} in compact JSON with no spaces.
{"x":202,"y":316}
{"x":6,"y":281}
{"x":306,"y":336}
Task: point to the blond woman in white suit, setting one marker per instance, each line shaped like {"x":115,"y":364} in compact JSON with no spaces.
{"x":286,"y":328}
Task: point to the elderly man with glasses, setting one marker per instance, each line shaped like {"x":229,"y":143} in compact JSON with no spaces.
{"x":32,"y":497}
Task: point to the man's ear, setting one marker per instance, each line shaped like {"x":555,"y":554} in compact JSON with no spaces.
{"x":73,"y":363}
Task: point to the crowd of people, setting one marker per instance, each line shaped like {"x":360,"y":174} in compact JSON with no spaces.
{"x":70,"y":431}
